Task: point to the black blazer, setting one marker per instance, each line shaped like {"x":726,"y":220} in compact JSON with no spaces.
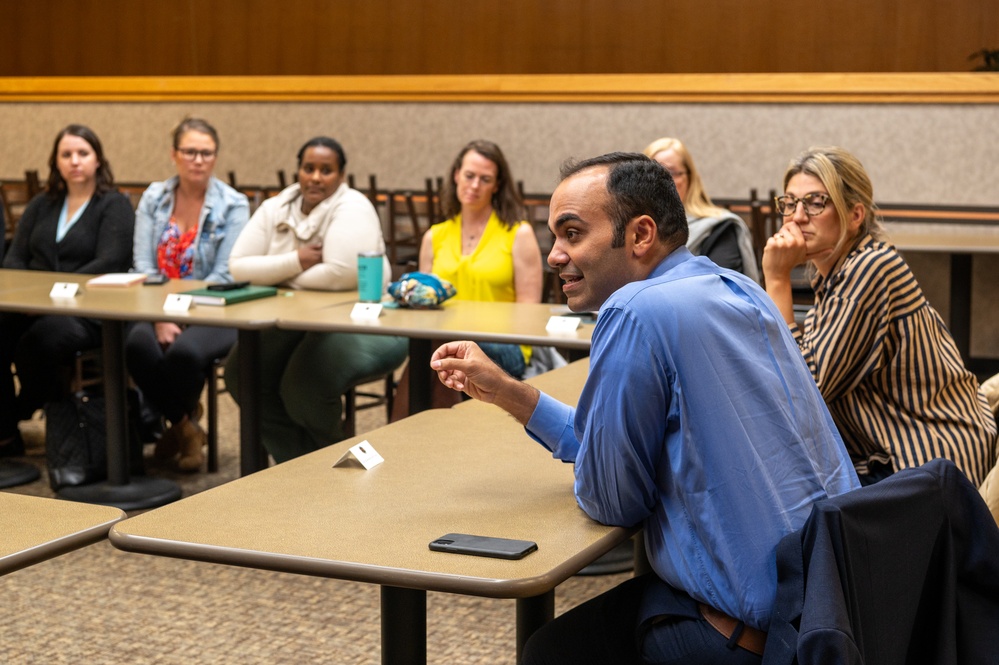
{"x":99,"y":242}
{"x":903,"y":571}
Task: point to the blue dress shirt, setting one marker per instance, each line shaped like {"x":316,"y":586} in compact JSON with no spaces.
{"x":699,"y":419}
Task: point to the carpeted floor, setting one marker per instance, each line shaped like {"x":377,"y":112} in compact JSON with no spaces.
{"x":101,"y":606}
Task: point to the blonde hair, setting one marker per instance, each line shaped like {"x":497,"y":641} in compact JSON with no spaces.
{"x":697,"y":203}
{"x":848,"y":184}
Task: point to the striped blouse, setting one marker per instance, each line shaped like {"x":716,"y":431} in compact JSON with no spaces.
{"x":890,"y":371}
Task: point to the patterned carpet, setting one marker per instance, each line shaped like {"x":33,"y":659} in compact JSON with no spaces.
{"x":102,"y":606}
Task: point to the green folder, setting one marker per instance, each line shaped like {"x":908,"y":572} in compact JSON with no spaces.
{"x":221,"y":298}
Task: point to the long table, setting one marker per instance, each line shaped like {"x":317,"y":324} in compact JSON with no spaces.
{"x":443,"y":472}
{"x":35,"y":529}
{"x":27,"y":292}
{"x":961,"y":242}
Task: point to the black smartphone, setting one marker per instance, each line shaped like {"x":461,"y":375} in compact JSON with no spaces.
{"x":154,"y":280}
{"x":228,"y":287}
{"x":500,"y":548}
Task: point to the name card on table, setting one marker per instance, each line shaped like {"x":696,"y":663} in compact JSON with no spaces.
{"x":563,"y":324}
{"x":64,"y":290}
{"x":363,"y":453}
{"x":366,"y":311}
{"x":177,"y":302}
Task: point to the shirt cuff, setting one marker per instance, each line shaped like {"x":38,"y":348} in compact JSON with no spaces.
{"x":551,"y":425}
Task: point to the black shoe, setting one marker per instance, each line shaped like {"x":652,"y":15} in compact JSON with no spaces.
{"x":13,"y":448}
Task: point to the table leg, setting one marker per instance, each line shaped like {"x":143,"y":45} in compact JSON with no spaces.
{"x":532,"y":613}
{"x":420,"y":375}
{"x":960,"y":303}
{"x":252,"y":456}
{"x":120,"y":490}
{"x":404,"y":626}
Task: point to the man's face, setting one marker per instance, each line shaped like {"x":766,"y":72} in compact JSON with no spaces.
{"x":582,"y":253}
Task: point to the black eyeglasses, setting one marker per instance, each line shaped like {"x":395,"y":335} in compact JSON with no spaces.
{"x":190,"y":154}
{"x":814,"y":203}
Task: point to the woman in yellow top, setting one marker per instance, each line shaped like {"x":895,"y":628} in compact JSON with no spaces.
{"x":484,"y":247}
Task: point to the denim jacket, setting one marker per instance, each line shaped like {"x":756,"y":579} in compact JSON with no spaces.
{"x":223,"y":216}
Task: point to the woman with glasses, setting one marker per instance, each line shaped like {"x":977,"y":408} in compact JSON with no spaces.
{"x":185,"y":228}
{"x":883,"y":359}
{"x":79,"y":224}
{"x":716,"y":233}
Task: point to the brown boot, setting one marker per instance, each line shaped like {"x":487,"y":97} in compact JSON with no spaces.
{"x":167,"y":446}
{"x":192,"y":440}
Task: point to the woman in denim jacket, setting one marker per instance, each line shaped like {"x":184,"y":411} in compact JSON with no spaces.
{"x":185,"y":228}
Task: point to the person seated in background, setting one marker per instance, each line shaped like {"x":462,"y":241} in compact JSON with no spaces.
{"x":79,"y":224}
{"x":885,"y":362}
{"x":309,"y":237}
{"x":716,"y":482}
{"x":484,"y":248}
{"x":716,"y":233}
{"x":185,"y":228}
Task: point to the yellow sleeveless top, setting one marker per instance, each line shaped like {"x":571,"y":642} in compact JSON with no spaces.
{"x":487,"y":273}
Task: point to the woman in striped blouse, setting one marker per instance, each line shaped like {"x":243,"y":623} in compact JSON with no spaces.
{"x":883,"y":359}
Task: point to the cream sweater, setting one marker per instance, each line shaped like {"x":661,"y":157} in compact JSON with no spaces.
{"x":346,"y":223}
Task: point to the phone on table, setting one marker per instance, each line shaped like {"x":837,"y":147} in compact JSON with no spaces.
{"x":500,"y":548}
{"x":231,"y":286}
{"x":154,"y":280}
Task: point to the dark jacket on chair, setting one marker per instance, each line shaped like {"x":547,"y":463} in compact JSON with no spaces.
{"x":903,"y":571}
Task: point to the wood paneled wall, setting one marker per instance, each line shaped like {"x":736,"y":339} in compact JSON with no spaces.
{"x":388,"y":37}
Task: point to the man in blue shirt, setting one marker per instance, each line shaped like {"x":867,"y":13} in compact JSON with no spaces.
{"x":699,"y":420}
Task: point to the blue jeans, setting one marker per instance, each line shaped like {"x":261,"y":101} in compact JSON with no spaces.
{"x":609,"y":630}
{"x":507,"y":356}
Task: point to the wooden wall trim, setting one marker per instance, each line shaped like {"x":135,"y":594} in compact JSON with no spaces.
{"x":921,"y":88}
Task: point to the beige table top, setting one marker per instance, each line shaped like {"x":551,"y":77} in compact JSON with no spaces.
{"x":35,"y":529}
{"x":443,"y":472}
{"x":944,"y":237}
{"x":131,"y":303}
{"x":511,"y":323}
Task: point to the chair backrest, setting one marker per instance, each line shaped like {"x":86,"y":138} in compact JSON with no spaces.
{"x":764,"y":222}
{"x":15,"y":196}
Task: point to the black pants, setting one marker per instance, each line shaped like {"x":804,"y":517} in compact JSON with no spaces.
{"x":171,"y":379}
{"x":614,"y":629}
{"x":40,"y":347}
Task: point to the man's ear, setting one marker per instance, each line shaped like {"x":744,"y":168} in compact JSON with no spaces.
{"x":644,"y":234}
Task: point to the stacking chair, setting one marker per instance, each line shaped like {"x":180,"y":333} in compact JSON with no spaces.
{"x":371,"y":400}
{"x":410,"y":214}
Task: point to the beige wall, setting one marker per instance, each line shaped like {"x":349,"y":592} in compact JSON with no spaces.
{"x":930,"y":154}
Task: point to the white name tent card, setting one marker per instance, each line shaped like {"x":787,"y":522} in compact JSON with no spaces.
{"x":563,"y":324}
{"x":64,"y":290}
{"x":363,"y":453}
{"x":177,"y":302}
{"x":366,"y":311}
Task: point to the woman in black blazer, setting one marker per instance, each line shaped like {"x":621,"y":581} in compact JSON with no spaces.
{"x":79,"y":224}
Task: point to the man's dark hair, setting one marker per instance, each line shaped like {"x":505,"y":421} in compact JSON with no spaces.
{"x":638,"y":186}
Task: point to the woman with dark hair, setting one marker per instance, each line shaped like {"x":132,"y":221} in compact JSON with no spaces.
{"x":79,"y":224}
{"x":184,"y":228}
{"x":484,"y":247}
{"x":883,"y":359}
{"x":309,"y":237}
